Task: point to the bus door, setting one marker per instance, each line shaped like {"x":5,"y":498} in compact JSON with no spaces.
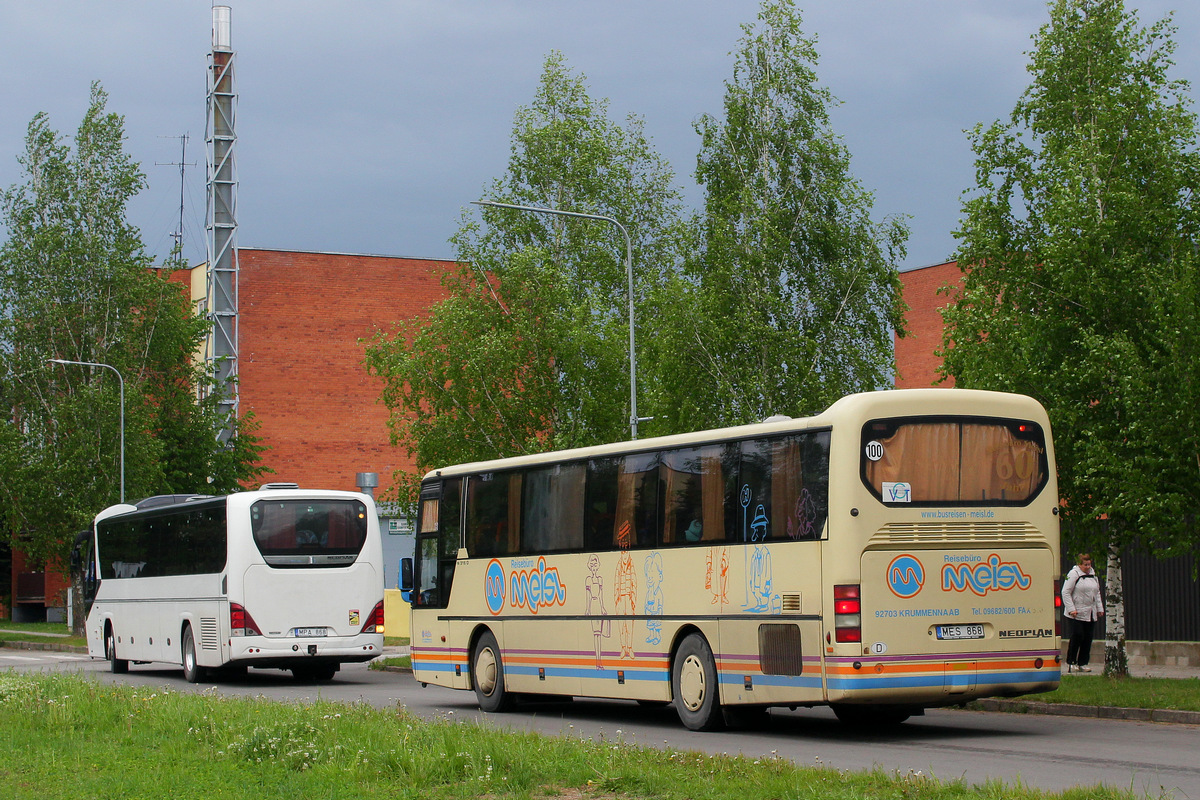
{"x":439,"y":523}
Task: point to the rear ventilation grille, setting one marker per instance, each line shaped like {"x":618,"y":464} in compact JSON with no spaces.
{"x":791,"y":602}
{"x":966,"y":532}
{"x":779,"y":650}
{"x":209,"y":638}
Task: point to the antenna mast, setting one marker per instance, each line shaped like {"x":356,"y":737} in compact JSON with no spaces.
{"x":182,"y":163}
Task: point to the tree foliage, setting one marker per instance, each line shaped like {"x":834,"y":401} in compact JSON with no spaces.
{"x":1081,"y":285}
{"x":76,"y":284}
{"x":1080,"y":245}
{"x":529,"y":350}
{"x":792,"y":298}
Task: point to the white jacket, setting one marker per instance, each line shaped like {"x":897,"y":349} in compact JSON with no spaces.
{"x":1081,"y":595}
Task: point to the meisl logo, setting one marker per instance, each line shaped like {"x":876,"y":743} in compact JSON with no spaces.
{"x":905,"y":576}
{"x":989,"y":575}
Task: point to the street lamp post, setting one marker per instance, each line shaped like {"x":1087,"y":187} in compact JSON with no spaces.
{"x":634,"y":419}
{"x":121,"y":386}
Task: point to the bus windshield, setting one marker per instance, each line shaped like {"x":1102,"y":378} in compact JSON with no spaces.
{"x":308,"y":533}
{"x":961,"y":461}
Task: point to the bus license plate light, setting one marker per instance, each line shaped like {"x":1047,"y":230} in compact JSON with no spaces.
{"x":310,"y":632}
{"x":960,"y":631}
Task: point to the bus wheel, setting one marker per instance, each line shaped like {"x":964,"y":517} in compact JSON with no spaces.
{"x":694,"y":685}
{"x":487,"y":673}
{"x":192,"y":672}
{"x":116,"y":665}
{"x":859,"y":715}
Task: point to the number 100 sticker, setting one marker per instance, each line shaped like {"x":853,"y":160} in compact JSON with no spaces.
{"x":874,"y":450}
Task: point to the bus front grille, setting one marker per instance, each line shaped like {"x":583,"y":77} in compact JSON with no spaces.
{"x":209,"y":639}
{"x":907,"y":533}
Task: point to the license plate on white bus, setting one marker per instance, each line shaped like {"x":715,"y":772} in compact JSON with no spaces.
{"x":960,"y":631}
{"x":308,"y":632}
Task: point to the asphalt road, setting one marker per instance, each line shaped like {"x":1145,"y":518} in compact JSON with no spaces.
{"x":1052,"y":753}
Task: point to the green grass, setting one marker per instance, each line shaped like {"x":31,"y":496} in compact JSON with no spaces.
{"x":1182,"y":694}
{"x":401,"y":662}
{"x":66,"y":737}
{"x":28,"y":633}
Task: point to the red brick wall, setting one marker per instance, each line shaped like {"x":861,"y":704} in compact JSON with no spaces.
{"x":916,"y":364}
{"x":300,"y":362}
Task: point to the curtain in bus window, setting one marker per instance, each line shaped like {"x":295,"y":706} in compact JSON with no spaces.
{"x":636,"y":522}
{"x":996,"y":465}
{"x":553,"y":509}
{"x":787,"y":481}
{"x":926,"y":456}
{"x":429,"y":515}
{"x":712,"y":489}
{"x":683,"y":515}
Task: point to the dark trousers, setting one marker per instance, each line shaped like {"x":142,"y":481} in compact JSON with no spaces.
{"x":1079,"y":651}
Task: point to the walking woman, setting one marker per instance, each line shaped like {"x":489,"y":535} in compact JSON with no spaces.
{"x":1083,"y":605}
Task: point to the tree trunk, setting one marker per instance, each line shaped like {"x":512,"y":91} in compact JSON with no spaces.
{"x":1116,"y":663}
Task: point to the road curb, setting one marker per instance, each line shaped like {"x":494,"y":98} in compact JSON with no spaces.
{"x":1102,"y":712}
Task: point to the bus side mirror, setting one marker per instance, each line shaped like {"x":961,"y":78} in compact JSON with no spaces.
{"x":406,"y":579}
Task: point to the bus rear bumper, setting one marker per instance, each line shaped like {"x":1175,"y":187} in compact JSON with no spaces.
{"x":281,"y":652}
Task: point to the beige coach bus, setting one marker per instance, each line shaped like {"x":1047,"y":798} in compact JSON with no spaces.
{"x":895,"y":553}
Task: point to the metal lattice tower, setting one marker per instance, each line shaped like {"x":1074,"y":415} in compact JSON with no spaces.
{"x":221,"y":352}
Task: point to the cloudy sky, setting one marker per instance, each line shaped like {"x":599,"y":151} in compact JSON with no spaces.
{"x":368,"y":126}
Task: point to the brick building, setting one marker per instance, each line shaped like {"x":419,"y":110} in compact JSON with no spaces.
{"x":301,"y":316}
{"x":916,"y":362}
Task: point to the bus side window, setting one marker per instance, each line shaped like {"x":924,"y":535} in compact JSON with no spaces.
{"x":552,"y":510}
{"x":683,"y":513}
{"x":493,"y":514}
{"x":637,"y":519}
{"x":601,"y":503}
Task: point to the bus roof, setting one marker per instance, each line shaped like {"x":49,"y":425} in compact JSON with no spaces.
{"x":864,"y":405}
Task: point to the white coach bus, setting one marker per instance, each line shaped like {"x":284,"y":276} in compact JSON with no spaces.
{"x":281,"y":577}
{"x":897,"y":552}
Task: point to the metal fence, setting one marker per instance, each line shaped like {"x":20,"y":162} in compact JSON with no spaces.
{"x":1162,"y":598}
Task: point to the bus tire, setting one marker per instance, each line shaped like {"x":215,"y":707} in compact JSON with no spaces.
{"x":694,"y":685}
{"x":873,"y":715}
{"x":118,"y":666}
{"x":487,"y":674}
{"x":192,"y":671}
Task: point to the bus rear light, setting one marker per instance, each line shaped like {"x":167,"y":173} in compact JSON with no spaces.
{"x":847,"y":613}
{"x":374,"y":620}
{"x":241,"y":623}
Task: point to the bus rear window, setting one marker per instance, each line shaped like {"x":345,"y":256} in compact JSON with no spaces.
{"x":309,"y":533}
{"x":968,"y":462}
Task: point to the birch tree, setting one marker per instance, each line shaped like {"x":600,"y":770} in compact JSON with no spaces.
{"x":76,"y":284}
{"x":1079,"y":244}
